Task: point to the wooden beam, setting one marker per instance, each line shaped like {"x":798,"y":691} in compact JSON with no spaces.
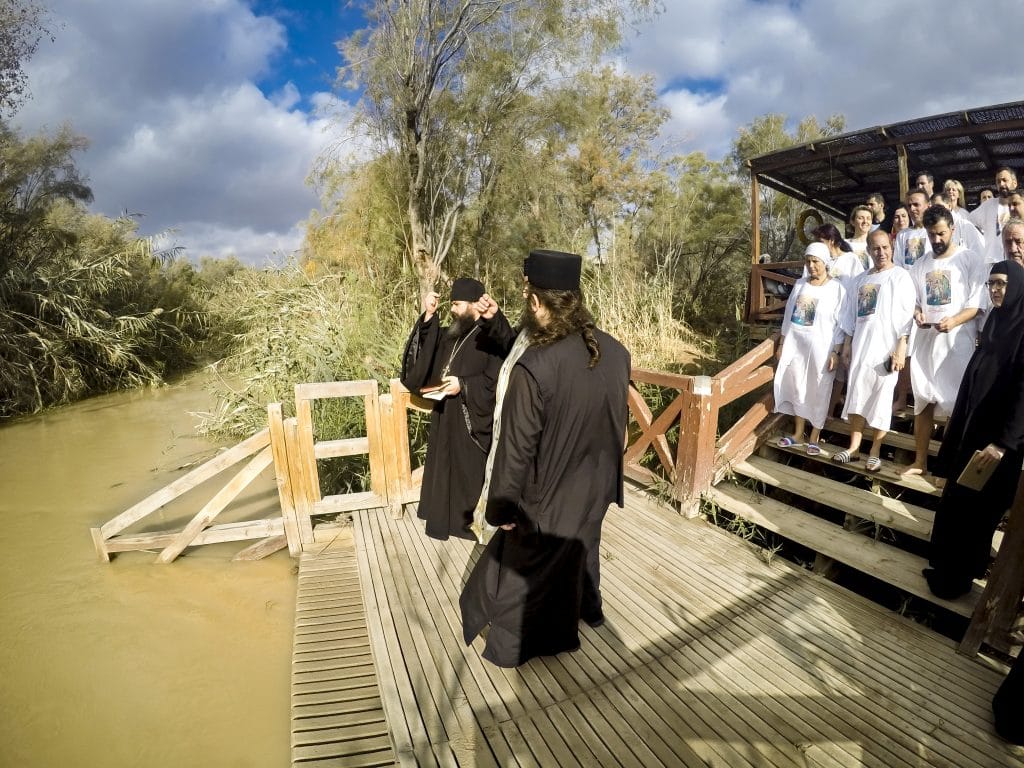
{"x":755,"y":219}
{"x":185,"y":483}
{"x":261,"y":549}
{"x":300,"y":483}
{"x":659,"y":378}
{"x":332,"y":449}
{"x":283,"y":476}
{"x":215,"y":534}
{"x":904,"y":171}
{"x":305,"y":447}
{"x":328,"y":389}
{"x":216,"y":505}
{"x":375,"y":439}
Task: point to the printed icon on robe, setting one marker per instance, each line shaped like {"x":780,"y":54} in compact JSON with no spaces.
{"x":804,"y":310}
{"x":867,"y":299}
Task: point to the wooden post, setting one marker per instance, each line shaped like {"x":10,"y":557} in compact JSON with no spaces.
{"x":995,"y":611}
{"x":695,"y":455}
{"x":392,"y":463}
{"x":375,"y":438}
{"x":283,"y":476}
{"x":755,"y":218}
{"x":299,"y":481}
{"x":901,"y":161}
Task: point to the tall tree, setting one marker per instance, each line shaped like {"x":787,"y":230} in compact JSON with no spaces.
{"x":22,"y":27}
{"x":419,"y":64}
{"x":768,"y":133}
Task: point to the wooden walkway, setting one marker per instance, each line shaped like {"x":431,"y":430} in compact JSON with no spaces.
{"x":710,"y":656}
{"x":337,"y":716}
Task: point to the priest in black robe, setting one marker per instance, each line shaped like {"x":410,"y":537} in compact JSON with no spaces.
{"x":988,"y":418}
{"x":457,"y":368}
{"x":556,"y":467}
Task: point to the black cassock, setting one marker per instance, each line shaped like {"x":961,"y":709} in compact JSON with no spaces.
{"x":557,"y":467}
{"x":989,"y":409}
{"x":460,"y":426}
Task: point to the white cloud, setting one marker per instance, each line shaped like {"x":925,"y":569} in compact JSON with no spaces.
{"x":179,"y":132}
{"x":722,"y":63}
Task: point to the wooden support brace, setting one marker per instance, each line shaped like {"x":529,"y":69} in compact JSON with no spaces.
{"x":261,"y":549}
{"x":216,"y":505}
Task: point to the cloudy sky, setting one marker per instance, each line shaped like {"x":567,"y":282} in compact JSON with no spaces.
{"x":205,"y":116}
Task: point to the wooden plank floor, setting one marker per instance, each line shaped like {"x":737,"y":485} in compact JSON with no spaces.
{"x":709,"y":656}
{"x":337,"y":716}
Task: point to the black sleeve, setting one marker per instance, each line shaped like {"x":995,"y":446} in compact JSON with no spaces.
{"x":1012,"y":437}
{"x":522,"y":418}
{"x":419,"y":353}
{"x":500,"y":335}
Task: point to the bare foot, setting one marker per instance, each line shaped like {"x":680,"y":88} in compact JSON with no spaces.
{"x":915,"y":469}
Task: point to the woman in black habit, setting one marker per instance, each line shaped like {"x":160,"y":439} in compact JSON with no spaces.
{"x":988,"y":417}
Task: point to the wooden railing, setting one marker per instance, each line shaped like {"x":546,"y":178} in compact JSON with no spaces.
{"x":765,"y":304}
{"x":701,"y":457}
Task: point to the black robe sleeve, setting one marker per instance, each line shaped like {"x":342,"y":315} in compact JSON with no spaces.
{"x":522,"y":418}
{"x":500,"y":335}
{"x":420,"y":350}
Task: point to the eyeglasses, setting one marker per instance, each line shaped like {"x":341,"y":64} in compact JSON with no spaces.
{"x":997,"y":284}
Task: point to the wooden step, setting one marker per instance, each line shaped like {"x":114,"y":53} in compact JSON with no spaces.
{"x":888,"y":473}
{"x":892,"y":513}
{"x":893,"y":438}
{"x":887,"y":563}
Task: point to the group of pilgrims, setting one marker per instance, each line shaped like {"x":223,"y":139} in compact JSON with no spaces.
{"x":935,"y":308}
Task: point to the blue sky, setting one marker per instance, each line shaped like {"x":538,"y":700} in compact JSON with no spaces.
{"x":206,"y":116}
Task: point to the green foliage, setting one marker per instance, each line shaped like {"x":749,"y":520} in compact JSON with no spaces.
{"x":287,"y":328}
{"x":453,"y":91}
{"x":778,"y":213}
{"x":86,"y":306}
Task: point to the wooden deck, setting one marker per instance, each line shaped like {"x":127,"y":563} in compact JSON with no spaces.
{"x":710,"y":656}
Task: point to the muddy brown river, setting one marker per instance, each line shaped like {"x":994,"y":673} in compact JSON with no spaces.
{"x":132,"y":663}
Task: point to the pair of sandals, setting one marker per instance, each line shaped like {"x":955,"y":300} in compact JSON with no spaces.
{"x":812,"y":449}
{"x":873,"y":464}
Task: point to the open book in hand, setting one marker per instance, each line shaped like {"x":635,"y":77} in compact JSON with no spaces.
{"x":975,"y":475}
{"x":434,"y":393}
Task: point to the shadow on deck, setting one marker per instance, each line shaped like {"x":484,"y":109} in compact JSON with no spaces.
{"x":710,"y":656}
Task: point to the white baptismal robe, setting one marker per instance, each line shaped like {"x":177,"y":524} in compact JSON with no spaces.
{"x":910,"y":245}
{"x":879,"y":309}
{"x":811,"y":327}
{"x":945,"y":286}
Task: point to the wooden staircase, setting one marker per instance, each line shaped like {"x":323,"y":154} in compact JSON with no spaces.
{"x":842,"y":512}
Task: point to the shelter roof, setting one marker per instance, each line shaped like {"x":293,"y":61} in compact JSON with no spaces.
{"x":838,"y":172}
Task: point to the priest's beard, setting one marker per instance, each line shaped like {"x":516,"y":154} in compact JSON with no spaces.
{"x":460,"y":326}
{"x":529,"y":323}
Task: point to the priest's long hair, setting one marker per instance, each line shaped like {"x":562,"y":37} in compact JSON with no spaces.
{"x":567,"y":314}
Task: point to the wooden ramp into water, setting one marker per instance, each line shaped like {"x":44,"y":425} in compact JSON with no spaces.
{"x":337,"y":716}
{"x":709,"y":656}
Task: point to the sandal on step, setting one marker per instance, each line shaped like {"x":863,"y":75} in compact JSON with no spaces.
{"x":813,"y":449}
{"x":873,"y":464}
{"x":786,"y":442}
{"x":843,"y":457}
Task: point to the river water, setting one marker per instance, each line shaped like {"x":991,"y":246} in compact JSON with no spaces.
{"x":132,"y":663}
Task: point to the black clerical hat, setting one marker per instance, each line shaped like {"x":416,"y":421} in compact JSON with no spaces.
{"x":554,"y":270}
{"x":467,"y":289}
